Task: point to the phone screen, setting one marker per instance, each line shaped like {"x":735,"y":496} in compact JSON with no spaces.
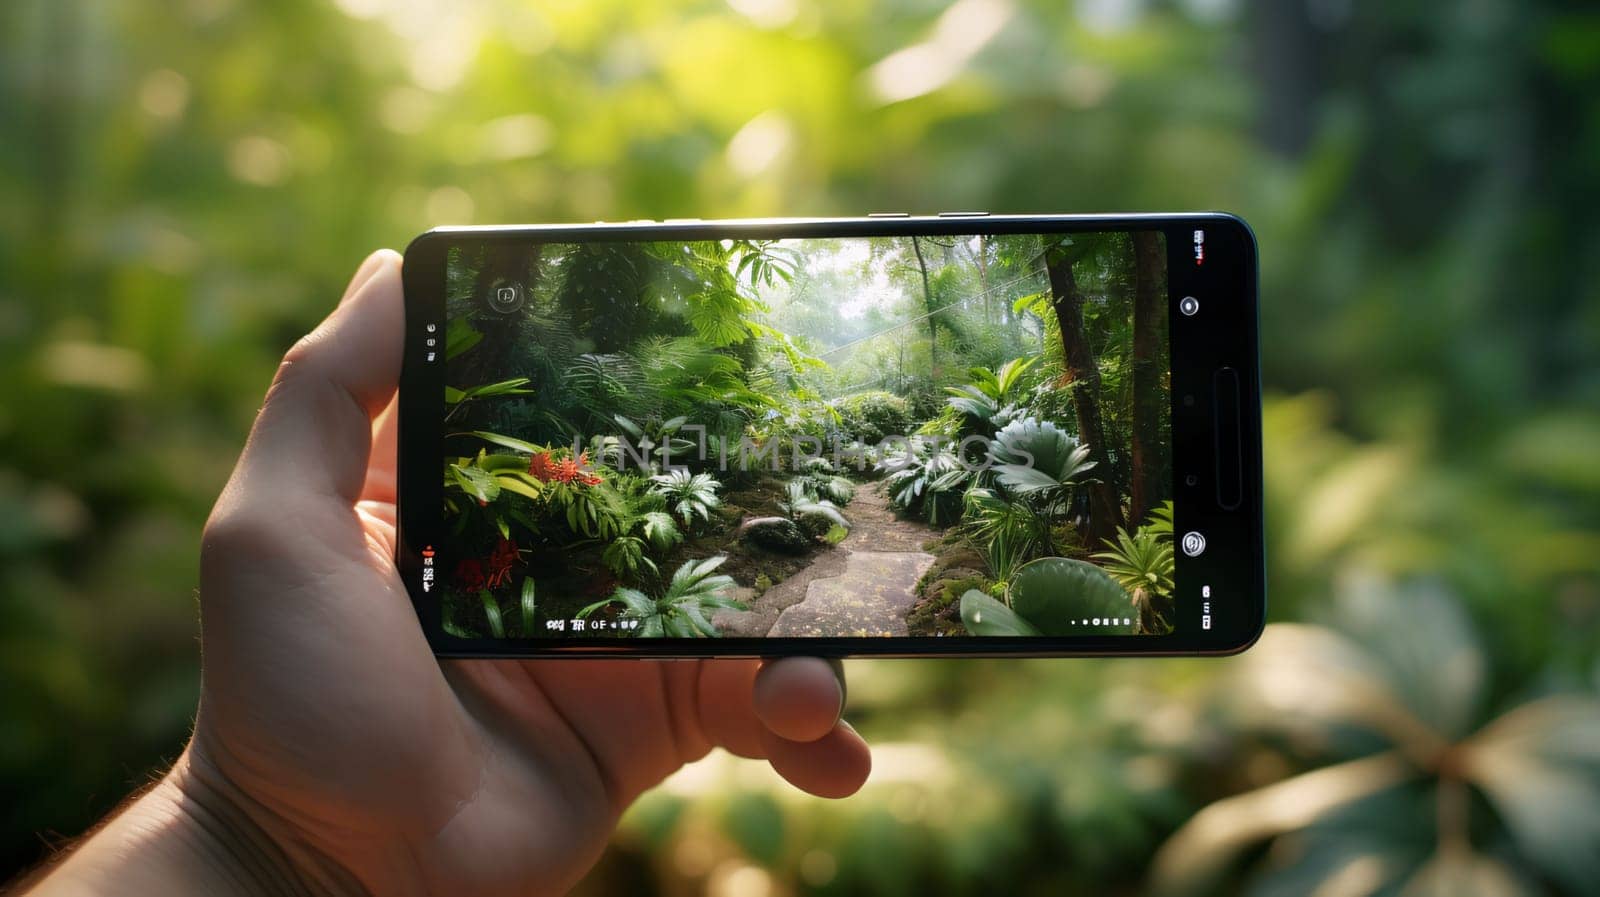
{"x":927,"y":436}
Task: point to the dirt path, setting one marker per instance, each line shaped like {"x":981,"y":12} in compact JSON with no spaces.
{"x":862,"y":587}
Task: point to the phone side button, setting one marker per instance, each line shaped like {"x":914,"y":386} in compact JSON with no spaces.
{"x":1229,"y":447}
{"x":963,"y":214}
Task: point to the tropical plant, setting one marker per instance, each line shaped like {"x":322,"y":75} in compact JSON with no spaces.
{"x":478,"y":483}
{"x":1035,"y":457}
{"x":802,"y":502}
{"x":821,"y":482}
{"x":926,"y":477}
{"x":688,"y":495}
{"x":1161,"y":519}
{"x":648,"y":530}
{"x":456,"y":399}
{"x":1052,"y":596}
{"x":650,"y":445}
{"x":988,"y":402}
{"x":1416,"y":776}
{"x":803,"y":517}
{"x":625,"y":556}
{"x":1007,"y":533}
{"x":482,"y":578}
{"x":592,"y":509}
{"x":1039,"y":464}
{"x":598,"y":387}
{"x":684,"y":609}
{"x":1142,"y":563}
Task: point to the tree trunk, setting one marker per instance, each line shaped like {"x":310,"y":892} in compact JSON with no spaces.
{"x":981,"y":258}
{"x":1148,"y":368}
{"x":927,"y":304}
{"x":1288,"y":57}
{"x":1105,"y":510}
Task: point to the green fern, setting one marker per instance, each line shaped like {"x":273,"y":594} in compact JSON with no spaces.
{"x":684,"y":610}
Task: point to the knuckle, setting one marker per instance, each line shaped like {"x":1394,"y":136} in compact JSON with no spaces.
{"x":245,"y":533}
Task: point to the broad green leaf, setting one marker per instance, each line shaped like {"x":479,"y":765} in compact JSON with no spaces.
{"x":510,"y":442}
{"x":521,"y":483}
{"x":459,"y":336}
{"x":698,"y":618}
{"x":476,"y":482}
{"x":1061,"y":596}
{"x":637,"y":602}
{"x":1025,"y":479}
{"x":983,"y":615}
{"x":528,"y":607}
{"x":512,"y":387}
{"x":491,"y":611}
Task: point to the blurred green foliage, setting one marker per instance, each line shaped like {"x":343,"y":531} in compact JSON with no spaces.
{"x":184,"y":186}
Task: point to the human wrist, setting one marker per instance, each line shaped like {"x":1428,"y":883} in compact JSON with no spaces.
{"x":190,"y":833}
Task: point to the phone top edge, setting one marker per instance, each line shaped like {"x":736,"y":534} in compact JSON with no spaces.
{"x":887,"y":222}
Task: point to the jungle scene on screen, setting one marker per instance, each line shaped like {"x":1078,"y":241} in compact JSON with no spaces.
{"x":852,"y":437}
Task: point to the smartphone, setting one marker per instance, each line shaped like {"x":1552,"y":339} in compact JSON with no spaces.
{"x":961,"y":434}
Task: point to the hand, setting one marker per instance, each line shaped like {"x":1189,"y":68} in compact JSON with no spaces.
{"x":327,"y":727}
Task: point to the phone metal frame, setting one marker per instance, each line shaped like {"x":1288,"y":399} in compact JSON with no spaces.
{"x":1223,"y":335}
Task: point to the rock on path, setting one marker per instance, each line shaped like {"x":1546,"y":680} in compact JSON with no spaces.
{"x":871,"y":598}
{"x":863,"y":587}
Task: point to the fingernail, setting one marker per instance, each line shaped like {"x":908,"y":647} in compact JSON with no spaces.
{"x":838,"y":673}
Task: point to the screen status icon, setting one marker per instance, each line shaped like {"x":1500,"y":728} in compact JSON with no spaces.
{"x":578,"y":624}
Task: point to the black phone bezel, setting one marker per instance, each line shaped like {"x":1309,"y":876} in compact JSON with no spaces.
{"x":1221,"y":273}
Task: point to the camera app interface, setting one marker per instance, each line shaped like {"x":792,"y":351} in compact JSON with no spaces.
{"x":913,"y":436}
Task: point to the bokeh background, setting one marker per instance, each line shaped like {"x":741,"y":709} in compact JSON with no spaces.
{"x":185,"y":186}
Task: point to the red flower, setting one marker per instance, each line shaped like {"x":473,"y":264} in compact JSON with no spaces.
{"x":540,"y":468}
{"x":544,"y":468}
{"x":584,"y":476}
{"x":501,"y":560}
{"x":470,"y":574}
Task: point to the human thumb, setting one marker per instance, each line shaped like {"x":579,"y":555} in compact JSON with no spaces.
{"x":313,"y":434}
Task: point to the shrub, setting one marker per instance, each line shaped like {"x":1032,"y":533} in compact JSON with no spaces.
{"x":870,"y":416}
